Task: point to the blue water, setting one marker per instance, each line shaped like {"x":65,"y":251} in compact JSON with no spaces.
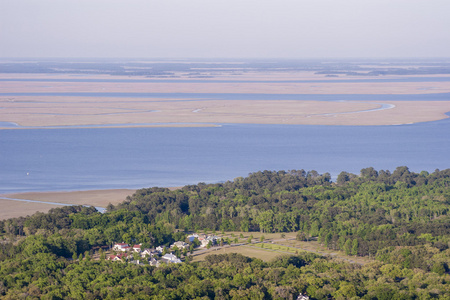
{"x":252,"y":96}
{"x":130,"y":80}
{"x":104,"y":158}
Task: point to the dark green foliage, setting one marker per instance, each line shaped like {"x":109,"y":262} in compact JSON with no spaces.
{"x":220,"y":276}
{"x":374,"y":210}
{"x":399,"y":218}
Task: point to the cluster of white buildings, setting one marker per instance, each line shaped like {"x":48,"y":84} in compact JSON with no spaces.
{"x":204,"y":239}
{"x":126,"y":251}
{"x":149,"y":254}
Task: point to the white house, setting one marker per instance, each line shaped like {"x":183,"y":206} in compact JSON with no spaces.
{"x":170,"y":258}
{"x":213,"y":239}
{"x":121,"y":247}
{"x":148,"y":252}
{"x":153,"y":262}
{"x":180,"y":245}
{"x":205,"y":243}
{"x":192,"y":237}
{"x":137,"y":262}
{"x":137,"y":248}
{"x":160,"y":249}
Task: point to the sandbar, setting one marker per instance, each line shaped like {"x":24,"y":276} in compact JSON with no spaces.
{"x":47,"y":111}
{"x":100,"y":198}
{"x":334,"y":87}
{"x":61,"y":110}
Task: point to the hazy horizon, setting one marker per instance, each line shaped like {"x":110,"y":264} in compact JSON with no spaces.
{"x":290,"y":29}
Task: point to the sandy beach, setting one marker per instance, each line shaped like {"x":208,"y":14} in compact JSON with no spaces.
{"x":100,"y":198}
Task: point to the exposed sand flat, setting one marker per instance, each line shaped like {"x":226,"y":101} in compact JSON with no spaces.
{"x":14,"y":209}
{"x":235,"y":74}
{"x":233,"y":87}
{"x":63,"y":111}
{"x":100,"y":198}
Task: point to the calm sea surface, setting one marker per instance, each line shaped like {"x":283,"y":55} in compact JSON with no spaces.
{"x":250,"y":96}
{"x":104,"y":158}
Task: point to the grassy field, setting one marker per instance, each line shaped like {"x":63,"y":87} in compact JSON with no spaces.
{"x":245,"y":250}
{"x":267,"y":246}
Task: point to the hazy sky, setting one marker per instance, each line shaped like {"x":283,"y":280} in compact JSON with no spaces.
{"x":225,"y":28}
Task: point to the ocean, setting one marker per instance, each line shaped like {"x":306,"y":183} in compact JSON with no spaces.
{"x":106,"y":158}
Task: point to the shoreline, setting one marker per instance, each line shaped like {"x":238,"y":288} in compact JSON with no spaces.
{"x":23,"y":204}
{"x":16,"y":204}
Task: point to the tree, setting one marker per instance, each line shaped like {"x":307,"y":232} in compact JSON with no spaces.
{"x":348,"y":247}
{"x":102,"y":254}
{"x":328,"y":239}
{"x":438,"y":268}
{"x":265,"y":221}
{"x":355,"y":247}
{"x":369,"y":173}
{"x":344,"y":177}
{"x":301,"y":236}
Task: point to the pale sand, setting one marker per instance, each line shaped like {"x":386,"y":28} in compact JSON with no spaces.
{"x":15,"y":209}
{"x":334,"y":87}
{"x":100,"y":198}
{"x":63,"y":111}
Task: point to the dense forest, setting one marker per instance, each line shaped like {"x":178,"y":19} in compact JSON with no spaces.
{"x":401,"y":219}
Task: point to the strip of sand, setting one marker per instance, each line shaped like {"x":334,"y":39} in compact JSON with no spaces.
{"x":100,"y":198}
{"x":334,"y":87}
{"x":83,"y":111}
{"x":60,"y":110}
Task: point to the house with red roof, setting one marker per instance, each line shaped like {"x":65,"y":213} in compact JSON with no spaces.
{"x":119,"y":257}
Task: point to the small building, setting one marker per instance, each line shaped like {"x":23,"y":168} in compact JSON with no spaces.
{"x":192,"y":237}
{"x":213,"y":239}
{"x":137,"y":248}
{"x":149,"y":252}
{"x":170,"y":258}
{"x":154,"y":262}
{"x":180,"y":245}
{"x":205,"y":243}
{"x":119,"y":257}
{"x":121,"y":247}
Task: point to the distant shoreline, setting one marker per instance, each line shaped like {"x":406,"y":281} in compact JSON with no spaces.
{"x":27,"y":203}
{"x":98,"y":198}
